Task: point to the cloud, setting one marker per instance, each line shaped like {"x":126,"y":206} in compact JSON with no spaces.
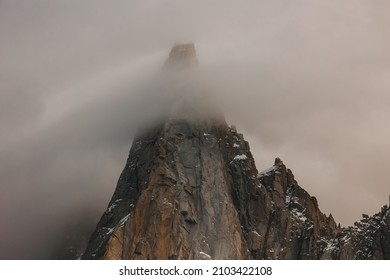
{"x":304,"y":81}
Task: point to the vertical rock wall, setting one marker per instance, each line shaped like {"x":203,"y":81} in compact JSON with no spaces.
{"x":190,"y":190}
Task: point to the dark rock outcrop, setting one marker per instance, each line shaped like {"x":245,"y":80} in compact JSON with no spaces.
{"x":190,"y":190}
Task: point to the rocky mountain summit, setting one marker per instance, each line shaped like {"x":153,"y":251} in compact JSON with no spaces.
{"x":190,"y":190}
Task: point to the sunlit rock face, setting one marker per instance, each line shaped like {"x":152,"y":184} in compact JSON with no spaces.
{"x":190,"y":190}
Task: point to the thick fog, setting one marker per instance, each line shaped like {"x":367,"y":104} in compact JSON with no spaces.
{"x":306,"y":81}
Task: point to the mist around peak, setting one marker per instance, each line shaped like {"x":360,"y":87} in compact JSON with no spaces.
{"x":305,"y":81}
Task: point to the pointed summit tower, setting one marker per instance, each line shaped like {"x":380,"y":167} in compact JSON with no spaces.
{"x":190,"y":190}
{"x":182,"y":55}
{"x":174,"y":197}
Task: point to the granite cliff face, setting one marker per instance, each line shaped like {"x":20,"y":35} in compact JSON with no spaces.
{"x":190,"y":190}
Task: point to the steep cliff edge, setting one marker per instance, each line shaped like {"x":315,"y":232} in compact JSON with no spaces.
{"x":190,"y":190}
{"x":300,"y":231}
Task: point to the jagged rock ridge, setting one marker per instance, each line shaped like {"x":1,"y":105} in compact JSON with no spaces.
{"x":190,"y":190}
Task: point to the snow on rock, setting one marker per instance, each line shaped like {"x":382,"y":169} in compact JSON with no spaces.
{"x":107,"y":231}
{"x":288,"y":199}
{"x":240,"y":157}
{"x":288,"y":196}
{"x":298,"y":215}
{"x":330,"y":244}
{"x":203,"y":254}
{"x":345,"y":239}
{"x":267,"y":171}
{"x":123,"y":220}
{"x":113,"y":205}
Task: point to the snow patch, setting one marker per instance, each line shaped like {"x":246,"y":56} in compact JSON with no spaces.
{"x":267,"y":171}
{"x":240,"y":157}
{"x":298,"y":215}
{"x":114,"y":205}
{"x":123,"y":220}
{"x":289,"y":195}
{"x":288,"y":199}
{"x":331,"y":244}
{"x":108,"y":230}
{"x":205,"y":255}
{"x":345,"y":239}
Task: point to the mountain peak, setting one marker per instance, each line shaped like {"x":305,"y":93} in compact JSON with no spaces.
{"x":182,"y":55}
{"x":190,"y":189}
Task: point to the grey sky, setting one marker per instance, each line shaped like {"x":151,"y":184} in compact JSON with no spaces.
{"x":307,"y":81}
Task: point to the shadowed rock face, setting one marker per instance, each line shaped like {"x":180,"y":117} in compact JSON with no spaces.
{"x":190,"y":190}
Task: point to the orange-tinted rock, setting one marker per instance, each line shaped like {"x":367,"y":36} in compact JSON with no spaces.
{"x":190,"y":190}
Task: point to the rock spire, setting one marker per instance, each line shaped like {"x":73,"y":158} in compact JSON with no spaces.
{"x":190,"y":190}
{"x":182,"y":55}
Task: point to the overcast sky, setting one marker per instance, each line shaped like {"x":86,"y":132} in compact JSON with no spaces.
{"x":306,"y":81}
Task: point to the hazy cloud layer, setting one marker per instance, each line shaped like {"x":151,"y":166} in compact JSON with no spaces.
{"x":305,"y":81}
